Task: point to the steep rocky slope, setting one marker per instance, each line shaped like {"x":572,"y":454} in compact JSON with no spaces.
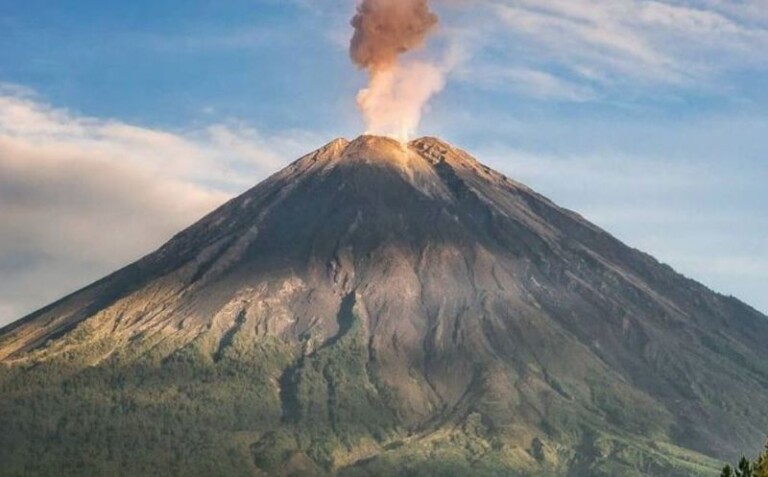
{"x":380,"y":308}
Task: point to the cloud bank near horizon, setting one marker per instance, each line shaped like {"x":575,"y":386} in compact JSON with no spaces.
{"x":83,"y":196}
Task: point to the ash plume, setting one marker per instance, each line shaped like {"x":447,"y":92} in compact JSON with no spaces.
{"x":397,"y":91}
{"x":385,"y":29}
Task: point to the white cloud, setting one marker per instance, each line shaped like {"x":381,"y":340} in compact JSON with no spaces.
{"x":750,"y":12}
{"x":525,"y":81}
{"x":80,"y":196}
{"x":623,"y":42}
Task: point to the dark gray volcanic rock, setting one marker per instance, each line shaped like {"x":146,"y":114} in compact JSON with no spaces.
{"x":416,"y":307}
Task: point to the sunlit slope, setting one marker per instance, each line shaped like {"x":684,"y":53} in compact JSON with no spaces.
{"x":378,"y":308}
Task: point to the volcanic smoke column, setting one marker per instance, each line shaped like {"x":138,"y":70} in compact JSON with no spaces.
{"x":397,"y":91}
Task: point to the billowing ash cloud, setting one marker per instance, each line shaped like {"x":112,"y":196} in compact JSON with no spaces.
{"x":398,"y":91}
{"x":385,"y":29}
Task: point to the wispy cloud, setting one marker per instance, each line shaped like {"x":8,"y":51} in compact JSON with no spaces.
{"x":588,"y":45}
{"x":81,"y":196}
{"x":528,"y":82}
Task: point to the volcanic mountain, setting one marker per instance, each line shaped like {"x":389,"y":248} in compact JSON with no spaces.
{"x":379,"y":308}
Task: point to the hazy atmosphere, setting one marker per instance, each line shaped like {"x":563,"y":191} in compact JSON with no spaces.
{"x":122,"y":123}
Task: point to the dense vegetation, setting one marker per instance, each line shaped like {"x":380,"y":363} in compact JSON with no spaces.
{"x":255,"y":408}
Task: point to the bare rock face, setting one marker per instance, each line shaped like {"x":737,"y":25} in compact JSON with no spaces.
{"x":379,"y":307}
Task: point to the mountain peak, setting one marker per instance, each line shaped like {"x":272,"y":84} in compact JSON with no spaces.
{"x":431,"y":141}
{"x":373,"y":303}
{"x":372,"y":148}
{"x":383,"y":148}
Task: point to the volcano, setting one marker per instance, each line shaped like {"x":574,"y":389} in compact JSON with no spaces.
{"x":379,"y":308}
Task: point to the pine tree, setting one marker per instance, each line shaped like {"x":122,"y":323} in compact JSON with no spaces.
{"x":727,"y":471}
{"x":744,"y":469}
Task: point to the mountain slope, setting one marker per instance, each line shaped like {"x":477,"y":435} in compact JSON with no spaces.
{"x":377,"y":308}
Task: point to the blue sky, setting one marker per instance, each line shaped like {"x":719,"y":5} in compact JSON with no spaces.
{"x":122,"y":122}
